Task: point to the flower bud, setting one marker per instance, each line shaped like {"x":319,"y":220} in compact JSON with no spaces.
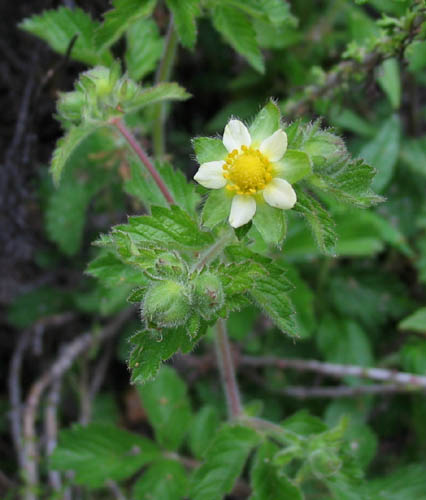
{"x":324,"y":463}
{"x":169,"y":264}
{"x":208,"y":294}
{"x":166,"y":303}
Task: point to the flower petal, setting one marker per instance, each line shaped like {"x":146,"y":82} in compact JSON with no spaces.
{"x":280,"y":194}
{"x":243,"y":209}
{"x":274,"y":146}
{"x":236,"y":135}
{"x":210,"y":175}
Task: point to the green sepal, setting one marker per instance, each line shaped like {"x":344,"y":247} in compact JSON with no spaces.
{"x":294,"y":166}
{"x":209,"y":149}
{"x":265,"y":123}
{"x":217,"y":208}
{"x":271,"y":223}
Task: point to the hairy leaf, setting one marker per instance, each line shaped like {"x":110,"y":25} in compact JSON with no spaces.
{"x":166,"y":479}
{"x":184,"y":14}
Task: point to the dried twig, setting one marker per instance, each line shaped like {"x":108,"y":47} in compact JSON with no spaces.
{"x":55,"y":372}
{"x":406,"y":381}
{"x":51,"y":430}
{"x":341,"y":391}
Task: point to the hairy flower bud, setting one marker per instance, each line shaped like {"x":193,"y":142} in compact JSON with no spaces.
{"x":169,"y":264}
{"x":208,"y":294}
{"x":166,"y":303}
{"x":324,"y":463}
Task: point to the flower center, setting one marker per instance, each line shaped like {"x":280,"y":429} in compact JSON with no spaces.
{"x":247,"y":172}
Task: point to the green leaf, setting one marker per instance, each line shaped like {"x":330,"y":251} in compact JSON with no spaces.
{"x":203,"y":427}
{"x":151,"y":95}
{"x":223,"y":462}
{"x":167,"y":404}
{"x":403,"y":483}
{"x":39,"y":303}
{"x":217,"y":208}
{"x":294,"y":166}
{"x":66,"y":146}
{"x":265,"y":123}
{"x":416,"y":322}
{"x":109,"y":269}
{"x":267,"y":481}
{"x":166,"y":479}
{"x":271,"y":223}
{"x":59,"y":27}
{"x":142,"y":186}
{"x":167,"y":225}
{"x":144,"y":48}
{"x":209,"y":149}
{"x":413,"y":153}
{"x":237,"y":30}
{"x":382,"y":152}
{"x":150,"y":349}
{"x":413,"y":356}
{"x":320,"y":222}
{"x":184,"y":14}
{"x":390,"y":81}
{"x":100,"y":452}
{"x":120,"y":18}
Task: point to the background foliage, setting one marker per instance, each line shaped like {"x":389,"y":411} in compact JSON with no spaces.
{"x":358,"y":276}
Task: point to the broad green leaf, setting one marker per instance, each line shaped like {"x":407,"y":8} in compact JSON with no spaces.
{"x":167,"y":404}
{"x":97,"y":453}
{"x":267,"y":481}
{"x":320,"y":222}
{"x":413,"y":153}
{"x":415,"y":55}
{"x":223,"y":462}
{"x":59,"y":27}
{"x":184,"y":14}
{"x":238,"y":31}
{"x":416,"y":322}
{"x":390,"y":81}
{"x":142,"y":185}
{"x":413,"y":356}
{"x":39,"y":303}
{"x":167,"y":225}
{"x":271,"y":223}
{"x":102,"y":300}
{"x":66,"y":215}
{"x":217,"y":208}
{"x":403,"y":483}
{"x":382,"y":152}
{"x":66,"y":146}
{"x":294,"y":166}
{"x":203,"y":427}
{"x":120,"y":18}
{"x":251,"y":7}
{"x":303,"y":299}
{"x":347,"y":119}
{"x":165,"y":480}
{"x":209,"y":149}
{"x":265,"y":123}
{"x":109,"y":269}
{"x":144,"y":48}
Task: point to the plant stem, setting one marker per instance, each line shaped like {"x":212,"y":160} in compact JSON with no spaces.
{"x":133,"y":143}
{"x":227,"y":370}
{"x":163,"y":75}
{"x":212,"y":252}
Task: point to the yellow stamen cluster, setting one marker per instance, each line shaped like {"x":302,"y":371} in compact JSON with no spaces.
{"x":248,"y":171}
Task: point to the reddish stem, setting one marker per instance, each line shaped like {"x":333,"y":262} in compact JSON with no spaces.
{"x":133,"y":143}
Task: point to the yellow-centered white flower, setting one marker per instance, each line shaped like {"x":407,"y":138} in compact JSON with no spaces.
{"x":249,"y":172}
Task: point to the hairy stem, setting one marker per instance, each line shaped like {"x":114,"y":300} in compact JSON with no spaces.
{"x":227,"y":370}
{"x":214,"y":251}
{"x":134,"y":144}
{"x":163,"y":75}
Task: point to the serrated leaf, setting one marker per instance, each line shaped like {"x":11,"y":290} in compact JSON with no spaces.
{"x":111,"y":271}
{"x":100,"y":452}
{"x":382,"y":152}
{"x":320,"y":222}
{"x":416,"y":322}
{"x":184,"y":14}
{"x":59,"y":27}
{"x":203,"y":427}
{"x":267,"y":481}
{"x":167,"y":225}
{"x":167,"y":404}
{"x":165,"y":480}
{"x":143,"y":49}
{"x":238,"y":31}
{"x":208,"y":149}
{"x":66,"y":146}
{"x":223,"y":462}
{"x":120,"y":18}
{"x":141,"y":185}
